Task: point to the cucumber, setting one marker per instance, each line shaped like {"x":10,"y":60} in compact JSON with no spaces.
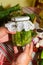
{"x":22,"y":38}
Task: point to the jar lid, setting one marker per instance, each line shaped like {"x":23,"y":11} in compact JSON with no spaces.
{"x":22,"y":18}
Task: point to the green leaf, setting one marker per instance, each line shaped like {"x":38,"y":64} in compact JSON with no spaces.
{"x":41,"y":62}
{"x":32,"y":16}
{"x":42,"y":55}
{"x":1,"y":8}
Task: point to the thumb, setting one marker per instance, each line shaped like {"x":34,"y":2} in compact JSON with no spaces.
{"x":9,"y":32}
{"x":15,"y":49}
{"x":27,"y":48}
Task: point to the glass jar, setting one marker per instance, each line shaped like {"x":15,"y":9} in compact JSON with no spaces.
{"x":23,"y":27}
{"x":23,"y":30}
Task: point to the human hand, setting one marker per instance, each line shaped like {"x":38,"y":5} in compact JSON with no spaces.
{"x":25,"y":57}
{"x":4,"y":34}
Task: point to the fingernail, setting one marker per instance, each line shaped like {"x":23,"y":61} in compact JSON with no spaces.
{"x":28,"y":45}
{"x":23,"y":48}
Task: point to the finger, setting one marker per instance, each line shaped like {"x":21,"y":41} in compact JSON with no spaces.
{"x":2,"y":32}
{"x":31,"y":49}
{"x":27,"y":48}
{"x":30,"y":58}
{"x":3,"y":29}
{"x":15,"y":49}
{"x":4,"y":39}
{"x":9,"y":31}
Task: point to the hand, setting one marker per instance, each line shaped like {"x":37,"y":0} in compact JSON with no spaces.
{"x":25,"y":57}
{"x":4,"y":34}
